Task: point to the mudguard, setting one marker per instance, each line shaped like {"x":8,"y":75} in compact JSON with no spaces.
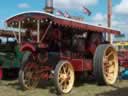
{"x":28,"y":47}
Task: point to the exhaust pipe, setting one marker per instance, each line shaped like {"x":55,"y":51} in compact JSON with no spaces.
{"x":49,"y":6}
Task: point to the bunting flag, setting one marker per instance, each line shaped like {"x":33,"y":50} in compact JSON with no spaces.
{"x":86,"y":11}
{"x":59,"y":13}
{"x":66,"y":14}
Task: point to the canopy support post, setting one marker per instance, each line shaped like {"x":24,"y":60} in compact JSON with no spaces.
{"x":38,"y":31}
{"x":19,"y":32}
{"x":46,"y":31}
{"x":14,"y":33}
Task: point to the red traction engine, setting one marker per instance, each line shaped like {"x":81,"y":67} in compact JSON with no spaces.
{"x":59,"y":48}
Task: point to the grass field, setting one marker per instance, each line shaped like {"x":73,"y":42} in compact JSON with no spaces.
{"x":12,"y":88}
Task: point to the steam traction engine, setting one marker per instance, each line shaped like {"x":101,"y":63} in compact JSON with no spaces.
{"x":58,"y":48}
{"x":10,"y":55}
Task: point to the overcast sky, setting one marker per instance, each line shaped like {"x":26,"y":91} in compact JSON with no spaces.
{"x":74,"y":7}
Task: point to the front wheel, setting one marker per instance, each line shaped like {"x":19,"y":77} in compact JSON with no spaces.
{"x":28,"y":74}
{"x":105,"y":64}
{"x":64,"y":77}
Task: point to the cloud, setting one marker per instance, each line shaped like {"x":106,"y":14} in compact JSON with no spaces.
{"x":101,"y":17}
{"x":98,"y":17}
{"x":23,"y":5}
{"x":120,"y":25}
{"x":122,"y":7}
{"x":116,"y":23}
{"x":71,"y":4}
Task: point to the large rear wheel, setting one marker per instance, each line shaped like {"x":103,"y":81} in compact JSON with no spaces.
{"x":64,"y":77}
{"x":105,"y":64}
{"x":28,"y":74}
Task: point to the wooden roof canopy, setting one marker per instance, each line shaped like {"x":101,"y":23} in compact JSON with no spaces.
{"x":29,"y":19}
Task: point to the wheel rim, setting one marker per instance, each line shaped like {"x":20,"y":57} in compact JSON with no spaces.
{"x":1,"y":73}
{"x":110,"y":65}
{"x":66,"y":77}
{"x":31,"y":78}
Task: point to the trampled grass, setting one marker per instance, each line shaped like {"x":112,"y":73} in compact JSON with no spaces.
{"x":12,"y":88}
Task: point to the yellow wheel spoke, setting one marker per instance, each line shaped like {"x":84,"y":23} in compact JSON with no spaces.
{"x":63,"y":69}
{"x":65,"y":85}
{"x":105,"y":60}
{"x":110,"y":77}
{"x":61,"y":81}
{"x":109,"y":54}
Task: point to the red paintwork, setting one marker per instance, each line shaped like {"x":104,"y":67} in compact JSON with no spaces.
{"x":77,"y":64}
{"x":45,"y":76}
{"x":55,"y":34}
{"x":44,"y":72}
{"x":123,"y":58}
{"x":45,"y":68}
{"x":27,"y":46}
{"x":1,"y":73}
{"x":91,"y":48}
{"x":23,"y":16}
{"x":81,"y":64}
{"x":83,"y":26}
{"x":42,"y":45}
{"x":88,"y":65}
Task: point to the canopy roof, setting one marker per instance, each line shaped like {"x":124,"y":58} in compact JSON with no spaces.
{"x":29,"y":19}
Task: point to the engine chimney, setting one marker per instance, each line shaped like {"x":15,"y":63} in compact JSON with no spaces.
{"x":49,"y":6}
